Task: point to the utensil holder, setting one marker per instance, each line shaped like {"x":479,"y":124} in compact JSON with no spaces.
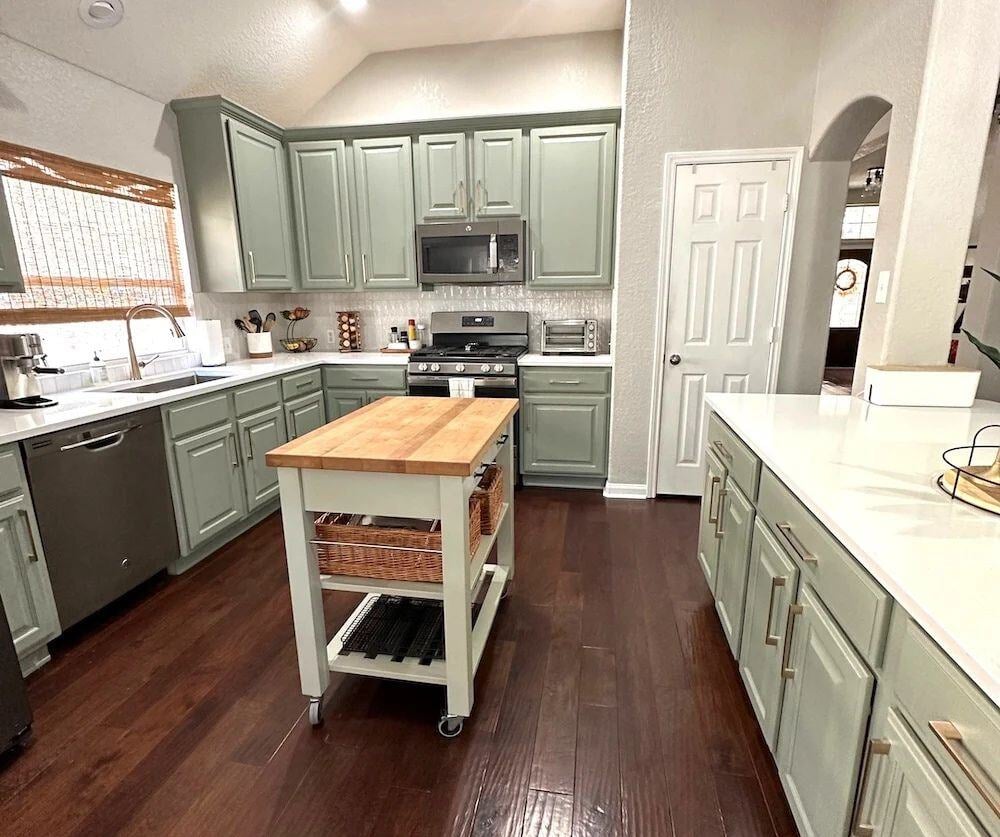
{"x":259,"y":345}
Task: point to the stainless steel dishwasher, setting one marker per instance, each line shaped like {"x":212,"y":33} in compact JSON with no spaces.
{"x":105,"y":514}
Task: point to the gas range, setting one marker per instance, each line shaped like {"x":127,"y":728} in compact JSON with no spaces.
{"x":478,"y":344}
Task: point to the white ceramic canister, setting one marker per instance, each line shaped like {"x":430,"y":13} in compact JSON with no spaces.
{"x":259,"y":344}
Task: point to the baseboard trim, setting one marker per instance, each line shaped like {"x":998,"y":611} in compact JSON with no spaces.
{"x":625,"y":491}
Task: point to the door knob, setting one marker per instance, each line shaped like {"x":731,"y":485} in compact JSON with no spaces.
{"x":674,"y":359}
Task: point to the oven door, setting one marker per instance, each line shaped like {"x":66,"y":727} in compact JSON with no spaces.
{"x":437,"y":385}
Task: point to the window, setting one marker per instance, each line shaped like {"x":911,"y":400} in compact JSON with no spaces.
{"x":92,"y":242}
{"x":848,"y":293}
{"x":860,"y":221}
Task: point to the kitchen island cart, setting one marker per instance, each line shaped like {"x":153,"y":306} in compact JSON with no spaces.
{"x":400,"y":457}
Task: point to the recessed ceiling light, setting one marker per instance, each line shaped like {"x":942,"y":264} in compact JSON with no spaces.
{"x":100,"y":14}
{"x":354,"y":6}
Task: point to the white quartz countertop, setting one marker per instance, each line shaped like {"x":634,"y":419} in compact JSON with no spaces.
{"x":868,"y":473}
{"x":564,"y":360}
{"x":83,"y":406}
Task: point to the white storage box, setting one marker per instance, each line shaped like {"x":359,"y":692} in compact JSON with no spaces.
{"x":921,"y":386}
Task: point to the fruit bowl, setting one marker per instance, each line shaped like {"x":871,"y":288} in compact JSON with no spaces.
{"x":299,"y":344}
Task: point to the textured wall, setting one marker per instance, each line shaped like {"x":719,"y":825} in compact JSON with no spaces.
{"x":710,"y":75}
{"x":528,"y":75}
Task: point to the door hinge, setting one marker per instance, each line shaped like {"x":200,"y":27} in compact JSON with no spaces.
{"x":784,"y":202}
{"x":773,"y":334}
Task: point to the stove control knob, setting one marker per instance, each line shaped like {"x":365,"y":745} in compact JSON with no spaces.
{"x":422,"y":367}
{"x":498,"y":367}
{"x":459,"y":367}
{"x":484,"y":368}
{"x":435,"y":367}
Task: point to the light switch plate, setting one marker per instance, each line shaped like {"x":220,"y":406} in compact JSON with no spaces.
{"x":882,"y":288}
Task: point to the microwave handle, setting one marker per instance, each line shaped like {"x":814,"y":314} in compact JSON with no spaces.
{"x":494,"y":263}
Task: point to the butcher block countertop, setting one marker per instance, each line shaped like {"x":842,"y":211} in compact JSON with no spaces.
{"x":403,"y":435}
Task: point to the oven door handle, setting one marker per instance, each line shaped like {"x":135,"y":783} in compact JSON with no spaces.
{"x":442,"y":380}
{"x":494,"y":263}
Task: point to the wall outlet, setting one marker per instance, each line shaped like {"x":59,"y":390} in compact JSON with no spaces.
{"x":882,"y":288}
{"x":331,"y":337}
{"x":227,"y":346}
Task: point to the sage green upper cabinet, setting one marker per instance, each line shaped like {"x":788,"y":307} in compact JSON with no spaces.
{"x":322,"y":214}
{"x":260,"y":178}
{"x":825,"y":713}
{"x":708,"y":523}
{"x":11,"y":280}
{"x":736,"y":516}
{"x":441,"y":175}
{"x":496,"y":163}
{"x":383,"y":170}
{"x":572,"y":179}
{"x":236,"y":179}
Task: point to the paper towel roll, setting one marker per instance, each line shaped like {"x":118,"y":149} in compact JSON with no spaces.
{"x":210,"y":344}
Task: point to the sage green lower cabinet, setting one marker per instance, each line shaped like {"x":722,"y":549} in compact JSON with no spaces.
{"x":348,"y":388}
{"x":209,"y":483}
{"x":772,"y":582}
{"x":305,"y":414}
{"x":11,"y":280}
{"x":904,"y":794}
{"x":824,"y":717}
{"x":340,"y":402}
{"x":25,"y":591}
{"x":708,"y":523}
{"x":564,"y":434}
{"x":258,"y":434}
{"x":736,"y":515}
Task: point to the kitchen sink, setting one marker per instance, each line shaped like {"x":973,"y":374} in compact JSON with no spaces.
{"x":164,"y":385}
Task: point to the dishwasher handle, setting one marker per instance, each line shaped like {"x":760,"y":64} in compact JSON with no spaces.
{"x":98,"y":442}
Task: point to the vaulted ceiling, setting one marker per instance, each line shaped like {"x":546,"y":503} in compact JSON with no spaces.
{"x":278,"y":57}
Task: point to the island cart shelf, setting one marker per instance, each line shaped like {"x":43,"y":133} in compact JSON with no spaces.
{"x":400,"y":457}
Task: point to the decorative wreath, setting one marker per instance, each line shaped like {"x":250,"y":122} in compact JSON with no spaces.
{"x":846,"y":280}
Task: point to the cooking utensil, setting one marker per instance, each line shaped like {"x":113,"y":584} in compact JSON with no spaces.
{"x":241,"y":325}
{"x":257,"y":320}
{"x":269,"y":321}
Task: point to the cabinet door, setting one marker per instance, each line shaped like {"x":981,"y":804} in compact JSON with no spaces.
{"x":772,"y":582}
{"x":304,"y":415}
{"x":260,"y":433}
{"x":906,"y":795}
{"x":497,"y":173}
{"x":322,"y":214}
{"x":260,"y":178}
{"x":571,"y":216}
{"x":564,"y":434}
{"x":383,"y":172}
{"x":442,"y":190}
{"x":24,"y":580}
{"x":708,"y":525}
{"x":209,"y":482}
{"x":373,"y":395}
{"x":736,"y":516}
{"x":11,"y":280}
{"x":340,"y":402}
{"x":823,"y":719}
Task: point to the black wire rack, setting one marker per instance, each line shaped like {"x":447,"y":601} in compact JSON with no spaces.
{"x":965,"y":470}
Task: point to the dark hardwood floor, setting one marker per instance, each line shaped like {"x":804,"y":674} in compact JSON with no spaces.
{"x":607,"y":703}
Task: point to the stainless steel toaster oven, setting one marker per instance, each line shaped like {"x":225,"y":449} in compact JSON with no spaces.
{"x":569,"y":337}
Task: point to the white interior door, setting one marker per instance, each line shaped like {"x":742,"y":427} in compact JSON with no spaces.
{"x":723,"y":280}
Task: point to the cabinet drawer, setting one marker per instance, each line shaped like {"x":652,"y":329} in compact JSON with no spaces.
{"x":566,"y":379}
{"x":364,"y":377}
{"x":742,"y":464}
{"x":301,"y":383}
{"x":256,"y":397}
{"x":857,"y":602}
{"x":10,"y":469}
{"x":930,"y":689}
{"x":197,"y":414}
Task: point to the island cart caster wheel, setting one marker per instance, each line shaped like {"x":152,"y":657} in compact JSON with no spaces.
{"x":315,"y":711}
{"x":450,"y":726}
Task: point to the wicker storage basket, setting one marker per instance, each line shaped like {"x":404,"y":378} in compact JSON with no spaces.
{"x":490,"y":494}
{"x":388,"y":553}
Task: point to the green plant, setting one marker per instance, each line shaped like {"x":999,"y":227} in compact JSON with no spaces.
{"x":992,"y":352}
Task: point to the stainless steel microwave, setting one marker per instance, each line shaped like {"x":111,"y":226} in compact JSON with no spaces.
{"x":474,"y":253}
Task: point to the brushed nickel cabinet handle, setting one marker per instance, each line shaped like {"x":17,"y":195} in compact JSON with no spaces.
{"x":769,"y":638}
{"x":719,"y":531}
{"x":231,"y":446}
{"x":568,"y":383}
{"x":786,"y":672}
{"x":951,"y":739}
{"x":253,"y":266}
{"x":249,"y":443}
{"x":347,"y":267}
{"x":797,"y":546}
{"x":479,"y":191}
{"x":32,"y":555}
{"x":876,"y":747}
{"x":711,"y":502}
{"x":534,"y":274}
{"x":364,"y":268}
{"x":721,"y":450}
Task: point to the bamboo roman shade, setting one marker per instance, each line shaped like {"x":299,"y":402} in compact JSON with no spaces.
{"x":92,"y":241}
